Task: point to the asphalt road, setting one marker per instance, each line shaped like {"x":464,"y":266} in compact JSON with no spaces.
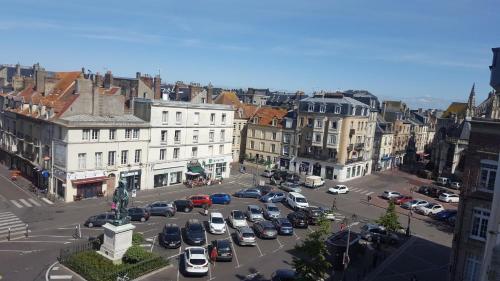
{"x":51,"y":226}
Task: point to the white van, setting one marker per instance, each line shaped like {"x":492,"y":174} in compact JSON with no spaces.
{"x":442,"y":181}
{"x":314,"y":181}
{"x":296,"y":201}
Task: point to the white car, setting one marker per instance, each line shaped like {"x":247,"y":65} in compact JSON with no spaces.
{"x":237,"y":219}
{"x":339,"y":189}
{"x":390,"y":194}
{"x":296,"y":201}
{"x":268,"y":173}
{"x":429,"y":209}
{"x":449,"y":198}
{"x":216,"y":223}
{"x":195,"y":261}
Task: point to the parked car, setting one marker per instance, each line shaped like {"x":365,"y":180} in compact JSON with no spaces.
{"x":283,"y":225}
{"x":237,"y":219}
{"x":245,"y":236}
{"x":339,"y":189}
{"x":273,"y":197}
{"x":284,"y":275}
{"x":223,"y":249}
{"x":280,"y":175}
{"x":200,"y":200}
{"x":195,"y":261}
{"x":216,"y":223}
{"x":264,"y":189}
{"x":429,"y":209}
{"x":254,"y":213}
{"x":330,"y":214}
{"x":414,"y":203}
{"x":388,"y":194}
{"x":265,"y":230}
{"x":431,"y":191}
{"x":138,"y":214}
{"x":271,"y":211}
{"x":314,"y":181}
{"x":99,"y":220}
{"x":248,"y":193}
{"x":161,"y":209}
{"x":292,"y":178}
{"x":442,"y":181}
{"x":220,"y":198}
{"x":373,"y":232}
{"x":170,"y":237}
{"x":298,"y":219}
{"x":195,"y":233}
{"x":183,"y":205}
{"x":313,"y":213}
{"x":296,"y":201}
{"x":454,"y":185}
{"x":290,"y":186}
{"x":445,"y":214}
{"x":449,"y":198}
{"x":401,"y":199}
{"x":268,"y":173}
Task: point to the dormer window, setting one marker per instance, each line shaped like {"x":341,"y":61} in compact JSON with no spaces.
{"x":274,"y":122}
{"x":256,"y":120}
{"x":353,"y":110}
{"x":322,"y":108}
{"x":310,"y":107}
{"x":338,"y":109}
{"x":362,"y":112}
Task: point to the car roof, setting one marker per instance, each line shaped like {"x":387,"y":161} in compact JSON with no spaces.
{"x":216,"y":215}
{"x":223,"y":242}
{"x":193,"y":221}
{"x":296,"y":194}
{"x":253,"y":207}
{"x":448,"y":194}
{"x":196,"y":251}
{"x":270,"y":205}
{"x":265,"y":223}
{"x":245,"y":229}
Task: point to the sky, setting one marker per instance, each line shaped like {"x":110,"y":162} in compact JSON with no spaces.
{"x":427,"y":53}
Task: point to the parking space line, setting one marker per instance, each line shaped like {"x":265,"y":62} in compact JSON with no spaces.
{"x":257,"y":244}
{"x":279,"y":243}
{"x":296,"y":236}
{"x":234,"y":248}
{"x":310,"y":229}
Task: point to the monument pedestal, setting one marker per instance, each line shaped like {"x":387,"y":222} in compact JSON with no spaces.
{"x":117,"y":240}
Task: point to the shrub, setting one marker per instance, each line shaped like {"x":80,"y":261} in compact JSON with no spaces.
{"x":137,"y":239}
{"x":136,"y":254}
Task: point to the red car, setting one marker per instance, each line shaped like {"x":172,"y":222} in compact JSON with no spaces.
{"x":200,"y":200}
{"x":402,"y":199}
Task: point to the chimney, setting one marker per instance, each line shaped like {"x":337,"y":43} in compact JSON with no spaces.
{"x":210,"y":93}
{"x":40,"y":75}
{"x":108,"y":80}
{"x":18,"y":70}
{"x":137,"y":75}
{"x":157,"y":87}
{"x":98,"y":80}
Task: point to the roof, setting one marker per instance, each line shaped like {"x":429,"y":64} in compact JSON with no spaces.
{"x":227,"y":97}
{"x":344,"y":100}
{"x":247,"y":110}
{"x":94,"y":118}
{"x":267,"y":114}
{"x":456,"y":108}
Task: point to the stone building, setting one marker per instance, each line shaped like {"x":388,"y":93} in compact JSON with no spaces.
{"x":382,"y":145}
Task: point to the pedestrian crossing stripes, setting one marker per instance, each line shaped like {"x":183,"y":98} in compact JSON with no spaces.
{"x":28,"y":202}
{"x":361,"y":191}
{"x":11,"y":223}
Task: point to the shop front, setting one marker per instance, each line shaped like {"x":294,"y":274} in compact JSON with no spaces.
{"x":132,"y":179}
{"x":329,"y":172}
{"x":88,"y":188}
{"x":216,"y":168}
{"x":167,"y":177}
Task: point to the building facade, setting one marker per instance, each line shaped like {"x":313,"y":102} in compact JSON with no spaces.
{"x":382,"y":145}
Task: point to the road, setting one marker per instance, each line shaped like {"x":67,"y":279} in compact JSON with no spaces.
{"x":51,"y":227}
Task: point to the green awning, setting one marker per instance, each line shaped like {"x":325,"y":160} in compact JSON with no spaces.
{"x":196,"y":169}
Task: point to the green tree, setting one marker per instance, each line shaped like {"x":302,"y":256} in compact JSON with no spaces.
{"x":390,"y":219}
{"x":311,"y":262}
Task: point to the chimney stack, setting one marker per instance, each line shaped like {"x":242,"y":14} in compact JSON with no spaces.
{"x":157,"y":87}
{"x":210,"y":93}
{"x":40,"y":75}
{"x":137,"y":75}
{"x":108,"y":80}
{"x":18,"y":70}
{"x":98,"y":80}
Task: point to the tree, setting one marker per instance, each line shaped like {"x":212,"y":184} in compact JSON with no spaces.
{"x":311,"y":262}
{"x":390,"y":219}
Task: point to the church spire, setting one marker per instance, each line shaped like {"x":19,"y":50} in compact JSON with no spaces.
{"x":471,"y":103}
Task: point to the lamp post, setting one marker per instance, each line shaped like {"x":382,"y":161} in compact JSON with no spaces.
{"x":354,"y":221}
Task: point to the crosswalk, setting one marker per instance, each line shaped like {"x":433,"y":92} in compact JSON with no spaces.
{"x":361,"y":191}
{"x":9,"y":221}
{"x":29,"y":202}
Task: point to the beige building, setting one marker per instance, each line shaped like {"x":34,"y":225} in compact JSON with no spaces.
{"x":402,"y":133}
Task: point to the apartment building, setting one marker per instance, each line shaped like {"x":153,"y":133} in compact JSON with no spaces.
{"x":186,"y":137}
{"x":333,"y":133}
{"x":382,"y":145}
{"x":265,"y":135}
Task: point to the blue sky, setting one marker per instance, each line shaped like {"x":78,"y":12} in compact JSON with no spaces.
{"x":425,"y":52}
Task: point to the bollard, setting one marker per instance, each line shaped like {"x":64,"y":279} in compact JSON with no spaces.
{"x":8,"y":235}
{"x":26,"y":234}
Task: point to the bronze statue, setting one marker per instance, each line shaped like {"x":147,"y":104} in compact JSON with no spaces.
{"x":120,"y":198}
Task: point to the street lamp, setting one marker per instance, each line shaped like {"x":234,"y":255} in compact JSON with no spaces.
{"x":354,"y":221}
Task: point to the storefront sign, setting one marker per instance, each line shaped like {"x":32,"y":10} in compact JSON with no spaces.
{"x":85,"y":175}
{"x":216,"y":160}
{"x":130,"y":173}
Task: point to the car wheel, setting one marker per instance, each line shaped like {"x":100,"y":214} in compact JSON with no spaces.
{"x":90,"y":225}
{"x":143,"y":219}
{"x":186,"y":210}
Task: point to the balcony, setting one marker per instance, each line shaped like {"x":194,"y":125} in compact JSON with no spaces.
{"x":354,"y":160}
{"x":359,"y":146}
{"x":318,"y":157}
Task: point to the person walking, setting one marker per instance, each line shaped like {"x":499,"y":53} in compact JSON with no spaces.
{"x":334,"y":204}
{"x":213,"y":255}
{"x":205,"y":210}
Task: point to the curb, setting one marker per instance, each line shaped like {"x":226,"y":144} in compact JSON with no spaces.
{"x":153,"y":272}
{"x":48,"y":270}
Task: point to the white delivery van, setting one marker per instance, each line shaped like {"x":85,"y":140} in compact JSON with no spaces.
{"x":314,"y":181}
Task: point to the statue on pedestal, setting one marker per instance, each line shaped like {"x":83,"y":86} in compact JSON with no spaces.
{"x":120,"y":198}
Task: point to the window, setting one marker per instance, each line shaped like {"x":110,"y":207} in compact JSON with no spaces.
{"x":210,"y":150}
{"x":111,"y":158}
{"x":164,"y":117}
{"x":178,"y":117}
{"x":135,"y":133}
{"x":332,"y":139}
{"x":274,"y":122}
{"x":137,"y":156}
{"x":310,"y":107}
{"x":262,"y":146}
{"x":319,"y":123}
{"x":274,"y":135}
{"x":317,"y":137}
{"x":487,"y":175}
{"x":322,"y":108}
{"x":98,"y":160}
{"x":95,"y":134}
{"x":176,"y":153}
{"x":234,"y":139}
{"x":253,"y":133}
{"x":273,"y":148}
{"x":128,"y":132}
{"x":221,"y":149}
{"x":211,"y":136}
{"x":309,"y":136}
{"x":112,"y":134}
{"x":286,"y":138}
{"x":195,"y":136}
{"x":82,"y":161}
{"x":479,"y":224}
{"x":164,"y":136}
{"x":472,"y":268}
{"x":124,"y":158}
{"x":163,"y":152}
{"x":86,"y":134}
{"x":223,"y":121}
{"x":177,"y":136}
{"x":251,"y":144}
{"x":196,"y":119}
{"x":348,"y":175}
{"x":359,"y":171}
{"x":353,"y":172}
{"x":338,"y":109}
{"x":194,"y":152}
{"x":222,"y":135}
{"x":212,"y":118}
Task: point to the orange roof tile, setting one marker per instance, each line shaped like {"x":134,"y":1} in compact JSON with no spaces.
{"x":267,"y":114}
{"x":248,"y":110}
{"x":227,"y":97}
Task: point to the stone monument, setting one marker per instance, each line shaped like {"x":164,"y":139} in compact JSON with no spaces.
{"x":118,"y":233}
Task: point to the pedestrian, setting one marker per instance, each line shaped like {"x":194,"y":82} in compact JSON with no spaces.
{"x":205,"y":209}
{"x":213,"y":255}
{"x":368,"y":198}
{"x":334,"y":204}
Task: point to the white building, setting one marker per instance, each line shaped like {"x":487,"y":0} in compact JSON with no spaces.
{"x":186,"y":137}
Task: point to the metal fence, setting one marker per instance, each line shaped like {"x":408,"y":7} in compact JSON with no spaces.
{"x":66,"y":253}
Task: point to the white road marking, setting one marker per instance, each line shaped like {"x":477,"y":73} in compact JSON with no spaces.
{"x":5,"y":213}
{"x":55,"y":268}
{"x":369,"y":193}
{"x":364,"y":192}
{"x":6,"y":217}
{"x":61,"y":277}
{"x":296,"y":236}
{"x":25,"y":203}
{"x":33,"y":201}
{"x":279,"y":242}
{"x":9,"y":221}
{"x":257,"y":244}
{"x":11,"y":225}
{"x":15,"y":203}
{"x":12,"y":229}
{"x":21,"y":251}
{"x":47,"y":201}
{"x":233,"y":247}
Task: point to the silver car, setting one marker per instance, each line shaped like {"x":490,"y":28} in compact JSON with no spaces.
{"x":271,"y":211}
{"x":291,"y":187}
{"x":254,"y":213}
{"x":245,"y":236}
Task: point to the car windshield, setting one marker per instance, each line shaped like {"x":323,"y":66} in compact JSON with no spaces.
{"x":301,"y":200}
{"x":198,"y":261}
{"x":255,"y":211}
{"x":286,"y":224}
{"x":195,"y":227}
{"x":273,"y":209}
{"x":218,"y":220}
{"x":248,"y":234}
{"x":238,"y":215}
{"x":171,"y":231}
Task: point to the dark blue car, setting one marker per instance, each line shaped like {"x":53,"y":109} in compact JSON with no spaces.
{"x":283,"y":225}
{"x":220,"y":198}
{"x":445,"y":215}
{"x":273,"y":197}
